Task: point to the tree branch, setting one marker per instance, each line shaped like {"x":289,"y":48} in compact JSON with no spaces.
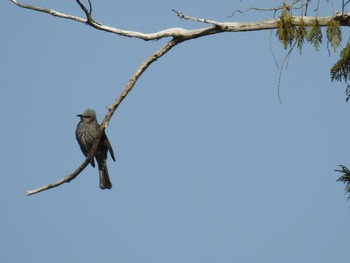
{"x":49,"y":11}
{"x":268,"y":24}
{"x":110,"y":113}
{"x":67,"y":179}
{"x":178,"y":35}
{"x":217,"y":27}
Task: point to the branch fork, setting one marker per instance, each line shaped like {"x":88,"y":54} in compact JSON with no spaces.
{"x":177,"y":35}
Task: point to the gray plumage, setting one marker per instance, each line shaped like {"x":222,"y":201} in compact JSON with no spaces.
{"x":85,"y":133}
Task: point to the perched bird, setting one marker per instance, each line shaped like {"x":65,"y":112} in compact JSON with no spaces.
{"x":85,"y":133}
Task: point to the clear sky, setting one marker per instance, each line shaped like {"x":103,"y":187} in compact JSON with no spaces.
{"x":210,"y":166}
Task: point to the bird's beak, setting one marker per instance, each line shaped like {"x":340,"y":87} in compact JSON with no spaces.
{"x":80,"y":115}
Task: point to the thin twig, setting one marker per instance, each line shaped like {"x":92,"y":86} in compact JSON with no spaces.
{"x":201,"y":20}
{"x":284,"y":65}
{"x":274,"y":9}
{"x":254,"y":9}
{"x":67,"y":179}
{"x":87,"y":13}
{"x":49,"y":11}
{"x":343,"y":5}
{"x":90,"y":6}
{"x":270,"y":46}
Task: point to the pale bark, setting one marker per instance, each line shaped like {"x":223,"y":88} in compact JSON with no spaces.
{"x":177,"y":35}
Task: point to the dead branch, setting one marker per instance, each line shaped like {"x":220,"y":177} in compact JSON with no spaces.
{"x":67,"y":179}
{"x":110,"y":113}
{"x":217,"y":27}
{"x":178,"y":35}
{"x":268,"y":24}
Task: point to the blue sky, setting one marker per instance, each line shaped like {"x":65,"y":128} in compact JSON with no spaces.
{"x":210,"y":166}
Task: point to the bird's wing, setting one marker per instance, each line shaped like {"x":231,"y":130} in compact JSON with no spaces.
{"x":108,"y":145}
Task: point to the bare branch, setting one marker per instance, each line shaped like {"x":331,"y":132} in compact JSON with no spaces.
{"x":67,"y":179}
{"x":218,"y":27}
{"x":49,"y":11}
{"x":171,"y":32}
{"x":274,"y":9}
{"x":201,"y":20}
{"x":87,"y":13}
{"x":344,"y":4}
{"x":178,"y":35}
{"x":343,"y":18}
{"x":110,"y":113}
{"x":90,"y":6}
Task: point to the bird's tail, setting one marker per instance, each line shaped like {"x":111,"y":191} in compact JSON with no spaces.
{"x":105,"y":181}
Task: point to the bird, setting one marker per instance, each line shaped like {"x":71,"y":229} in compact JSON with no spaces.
{"x":85,"y":134}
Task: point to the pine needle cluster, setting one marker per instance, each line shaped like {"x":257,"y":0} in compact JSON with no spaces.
{"x":286,"y":29}
{"x":333,"y":33}
{"x":344,"y":178}
{"x":341,"y":70}
{"x":288,"y":32}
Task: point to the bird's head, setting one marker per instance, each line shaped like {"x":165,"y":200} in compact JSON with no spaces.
{"x":88,"y":116}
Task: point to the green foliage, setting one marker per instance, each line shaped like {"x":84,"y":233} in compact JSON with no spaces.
{"x":288,"y":33}
{"x":301,"y":34}
{"x":334,"y":35}
{"x":315,"y":34}
{"x":286,"y":28}
{"x":344,"y":178}
{"x":341,"y":70}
